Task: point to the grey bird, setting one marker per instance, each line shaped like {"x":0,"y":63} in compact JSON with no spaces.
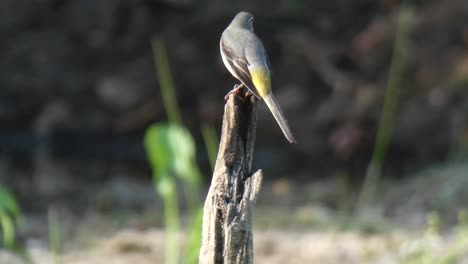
{"x":244,"y":56}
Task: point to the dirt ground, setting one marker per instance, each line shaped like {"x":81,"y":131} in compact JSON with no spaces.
{"x":273,"y":246}
{"x":415,"y":222}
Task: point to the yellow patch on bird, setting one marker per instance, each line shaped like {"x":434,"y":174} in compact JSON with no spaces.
{"x":261,"y":80}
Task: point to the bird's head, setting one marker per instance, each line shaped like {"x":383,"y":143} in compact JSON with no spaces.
{"x":243,"y":20}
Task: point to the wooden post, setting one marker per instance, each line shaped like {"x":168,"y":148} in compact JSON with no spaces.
{"x":227,"y":214}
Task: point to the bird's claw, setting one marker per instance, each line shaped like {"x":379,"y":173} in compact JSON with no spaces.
{"x":235,"y":91}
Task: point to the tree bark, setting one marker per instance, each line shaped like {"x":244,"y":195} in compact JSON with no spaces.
{"x":227,"y":215}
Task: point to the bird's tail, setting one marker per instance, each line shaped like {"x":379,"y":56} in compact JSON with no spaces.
{"x":279,"y":116}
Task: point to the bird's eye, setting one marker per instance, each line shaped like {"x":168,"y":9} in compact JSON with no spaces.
{"x":251,"y":20}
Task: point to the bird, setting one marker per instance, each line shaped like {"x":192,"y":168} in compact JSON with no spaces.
{"x":245,"y":58}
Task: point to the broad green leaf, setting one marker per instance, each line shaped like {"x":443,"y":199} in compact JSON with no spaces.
{"x":171,"y":153}
{"x":8,"y":202}
{"x":157,"y":155}
{"x":171,"y":150}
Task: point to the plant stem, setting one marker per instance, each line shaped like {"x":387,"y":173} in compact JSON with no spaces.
{"x":211,"y":143}
{"x":391,"y":99}
{"x":54,"y":235}
{"x":171,"y":214}
{"x":7,"y":228}
{"x":163,"y":72}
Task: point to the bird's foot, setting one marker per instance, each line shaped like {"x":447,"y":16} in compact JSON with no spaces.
{"x":235,"y":91}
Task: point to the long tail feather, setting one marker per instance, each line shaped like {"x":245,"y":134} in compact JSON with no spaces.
{"x":279,"y":116}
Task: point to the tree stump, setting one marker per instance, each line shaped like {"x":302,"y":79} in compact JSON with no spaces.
{"x":227,"y":214}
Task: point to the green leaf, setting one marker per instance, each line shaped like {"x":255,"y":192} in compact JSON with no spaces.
{"x":171,"y":150}
{"x":8,"y":229}
{"x":10,"y":215}
{"x":165,"y":186}
{"x":8,"y":202}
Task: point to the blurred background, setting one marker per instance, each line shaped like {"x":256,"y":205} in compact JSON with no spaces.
{"x":94,"y":93}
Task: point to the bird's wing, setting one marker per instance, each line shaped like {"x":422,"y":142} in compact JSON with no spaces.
{"x":238,"y":66}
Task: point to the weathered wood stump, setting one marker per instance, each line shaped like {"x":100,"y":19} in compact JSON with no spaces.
{"x":227,"y":215}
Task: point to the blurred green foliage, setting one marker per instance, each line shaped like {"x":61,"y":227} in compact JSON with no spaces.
{"x":55,"y":235}
{"x":391,"y":100}
{"x":10,"y":215}
{"x":211,"y":141}
{"x":424,"y":250}
{"x":166,"y":84}
{"x":171,"y":151}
